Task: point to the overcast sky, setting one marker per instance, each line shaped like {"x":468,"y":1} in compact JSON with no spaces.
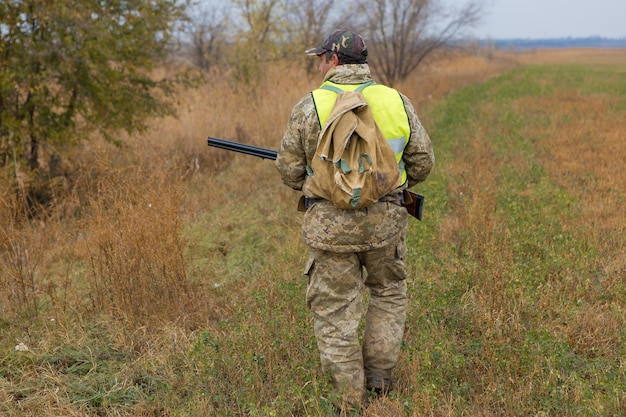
{"x":507,"y":19}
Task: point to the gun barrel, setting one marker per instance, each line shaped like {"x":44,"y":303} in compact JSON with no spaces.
{"x":242,"y":148}
{"x":413,"y":202}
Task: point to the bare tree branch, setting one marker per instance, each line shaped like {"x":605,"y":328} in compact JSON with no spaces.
{"x":402,"y":33}
{"x":309,"y":20}
{"x":208,"y":37}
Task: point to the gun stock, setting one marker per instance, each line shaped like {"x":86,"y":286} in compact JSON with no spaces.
{"x":413,"y":202}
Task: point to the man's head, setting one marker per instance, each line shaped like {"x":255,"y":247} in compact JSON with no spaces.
{"x":347,"y":46}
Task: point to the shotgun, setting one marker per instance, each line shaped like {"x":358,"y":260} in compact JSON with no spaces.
{"x":413,"y":202}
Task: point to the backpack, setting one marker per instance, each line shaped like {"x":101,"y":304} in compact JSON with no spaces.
{"x":354,"y":166}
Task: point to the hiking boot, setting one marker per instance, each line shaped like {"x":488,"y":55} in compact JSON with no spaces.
{"x":380,"y":386}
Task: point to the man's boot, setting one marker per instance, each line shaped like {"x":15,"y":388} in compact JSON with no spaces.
{"x":380,"y":386}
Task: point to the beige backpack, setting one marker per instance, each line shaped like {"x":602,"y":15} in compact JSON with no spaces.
{"x":354,"y":165}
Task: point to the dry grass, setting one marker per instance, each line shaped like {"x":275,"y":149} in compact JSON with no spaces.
{"x":451,"y":73}
{"x":537,"y":260}
{"x":169,"y":282}
{"x":613,"y":57}
{"x":582,"y":154}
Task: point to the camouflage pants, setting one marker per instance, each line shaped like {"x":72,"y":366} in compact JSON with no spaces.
{"x":335,"y":297}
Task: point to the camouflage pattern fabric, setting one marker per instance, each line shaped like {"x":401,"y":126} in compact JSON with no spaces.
{"x":298,"y":147}
{"x":327,"y":227}
{"x":342,"y":42}
{"x":351,"y":250}
{"x":334,"y":295}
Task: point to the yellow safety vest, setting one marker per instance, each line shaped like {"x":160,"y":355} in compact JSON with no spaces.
{"x":387,"y":109}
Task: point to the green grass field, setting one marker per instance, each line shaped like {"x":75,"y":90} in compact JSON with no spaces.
{"x":183,"y":296}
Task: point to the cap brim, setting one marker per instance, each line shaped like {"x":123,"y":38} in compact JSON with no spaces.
{"x":315,"y":51}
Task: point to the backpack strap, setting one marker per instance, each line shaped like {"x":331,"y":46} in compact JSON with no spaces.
{"x":339,"y":90}
{"x":364,"y":86}
{"x":331,"y":88}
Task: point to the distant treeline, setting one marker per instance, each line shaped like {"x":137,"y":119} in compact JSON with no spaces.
{"x":590,"y":42}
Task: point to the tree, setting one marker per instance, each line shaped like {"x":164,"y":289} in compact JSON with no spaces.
{"x":308,"y":25}
{"x":309,"y":21}
{"x":402,"y":33}
{"x":69,"y":67}
{"x":255,"y":42}
{"x":209,"y":35}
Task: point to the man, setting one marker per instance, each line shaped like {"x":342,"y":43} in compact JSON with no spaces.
{"x":352,"y":248}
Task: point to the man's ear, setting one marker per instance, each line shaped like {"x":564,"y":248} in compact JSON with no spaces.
{"x":335,"y":59}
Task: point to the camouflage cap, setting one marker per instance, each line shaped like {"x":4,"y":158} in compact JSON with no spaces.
{"x":342,"y":42}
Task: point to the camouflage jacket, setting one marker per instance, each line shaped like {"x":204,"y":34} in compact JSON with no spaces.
{"x":326,"y":227}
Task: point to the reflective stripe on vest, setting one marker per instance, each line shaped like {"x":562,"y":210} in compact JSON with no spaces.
{"x":387,"y":109}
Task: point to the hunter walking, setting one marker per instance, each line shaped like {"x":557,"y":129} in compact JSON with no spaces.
{"x":353,"y":249}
